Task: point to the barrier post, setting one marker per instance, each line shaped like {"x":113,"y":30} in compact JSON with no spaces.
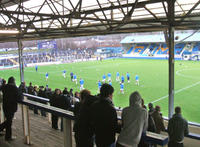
{"x":26,"y":124}
{"x":49,"y":114}
{"x":2,"y":114}
{"x":67,"y":130}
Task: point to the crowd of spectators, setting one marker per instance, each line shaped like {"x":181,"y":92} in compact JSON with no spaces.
{"x":96,"y":120}
{"x":51,"y":56}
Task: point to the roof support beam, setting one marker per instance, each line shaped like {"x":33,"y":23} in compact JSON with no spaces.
{"x":151,"y":13}
{"x":122,"y":10}
{"x":57,"y":12}
{"x":139,"y":5}
{"x":190,"y":11}
{"x":104,"y":13}
{"x":164,"y":7}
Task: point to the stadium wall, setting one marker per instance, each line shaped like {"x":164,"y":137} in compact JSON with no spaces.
{"x":161,"y":57}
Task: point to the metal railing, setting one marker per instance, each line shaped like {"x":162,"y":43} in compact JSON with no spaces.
{"x":68,"y":117}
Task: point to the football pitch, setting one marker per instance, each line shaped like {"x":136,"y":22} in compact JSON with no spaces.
{"x":153,"y":75}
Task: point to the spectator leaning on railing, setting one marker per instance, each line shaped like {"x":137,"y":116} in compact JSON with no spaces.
{"x":134,"y":122}
{"x":104,"y":118}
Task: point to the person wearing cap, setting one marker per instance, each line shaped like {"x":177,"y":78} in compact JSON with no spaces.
{"x":134,"y":122}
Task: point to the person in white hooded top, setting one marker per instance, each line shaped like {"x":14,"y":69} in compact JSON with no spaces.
{"x":134,"y":122}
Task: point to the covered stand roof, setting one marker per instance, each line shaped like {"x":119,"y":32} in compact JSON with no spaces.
{"x":160,"y":38}
{"x":43,"y":19}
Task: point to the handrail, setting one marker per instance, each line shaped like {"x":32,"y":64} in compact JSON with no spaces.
{"x":36,"y":97}
{"x":189,"y":122}
{"x":190,"y":135}
{"x":149,"y":137}
{"x":67,"y":120}
{"x":50,"y":109}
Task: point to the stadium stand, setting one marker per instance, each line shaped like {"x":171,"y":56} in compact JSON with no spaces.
{"x":51,"y":56}
{"x":162,"y":49}
{"x":155,"y":46}
{"x":196,"y":47}
{"x":179,"y":47}
{"x":6,"y":62}
{"x":130,"y":50}
{"x":140,"y":48}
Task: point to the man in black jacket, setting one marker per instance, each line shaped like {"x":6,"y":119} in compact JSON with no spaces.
{"x":177,"y":129}
{"x":11,"y":96}
{"x":104,"y":118}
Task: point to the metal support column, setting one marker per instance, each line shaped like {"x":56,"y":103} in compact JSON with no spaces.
{"x":171,"y":56}
{"x":21,"y":65}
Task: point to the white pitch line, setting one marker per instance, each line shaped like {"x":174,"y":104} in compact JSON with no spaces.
{"x":42,"y":72}
{"x":177,"y":91}
{"x":182,"y":89}
{"x":187,"y":76}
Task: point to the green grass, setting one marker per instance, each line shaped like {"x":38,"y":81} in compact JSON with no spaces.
{"x":153,"y":81}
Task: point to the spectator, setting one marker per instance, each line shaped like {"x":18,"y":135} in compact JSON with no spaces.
{"x":48,"y":93}
{"x":151,"y":108}
{"x":143,"y":105}
{"x":65,"y":92}
{"x":55,"y":102}
{"x":63,"y":103}
{"x":41,"y":93}
{"x":2,"y":84}
{"x":151,"y":127}
{"x":71,"y":92}
{"x":30,"y":89}
{"x":159,"y":122}
{"x":1,"y":94}
{"x":23,"y":88}
{"x":134,"y":122}
{"x":82,"y":126}
{"x":1,"y":98}
{"x":104,"y":118}
{"x":177,"y":129}
{"x":11,"y":96}
{"x":35,"y":92}
{"x":76,"y":98}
